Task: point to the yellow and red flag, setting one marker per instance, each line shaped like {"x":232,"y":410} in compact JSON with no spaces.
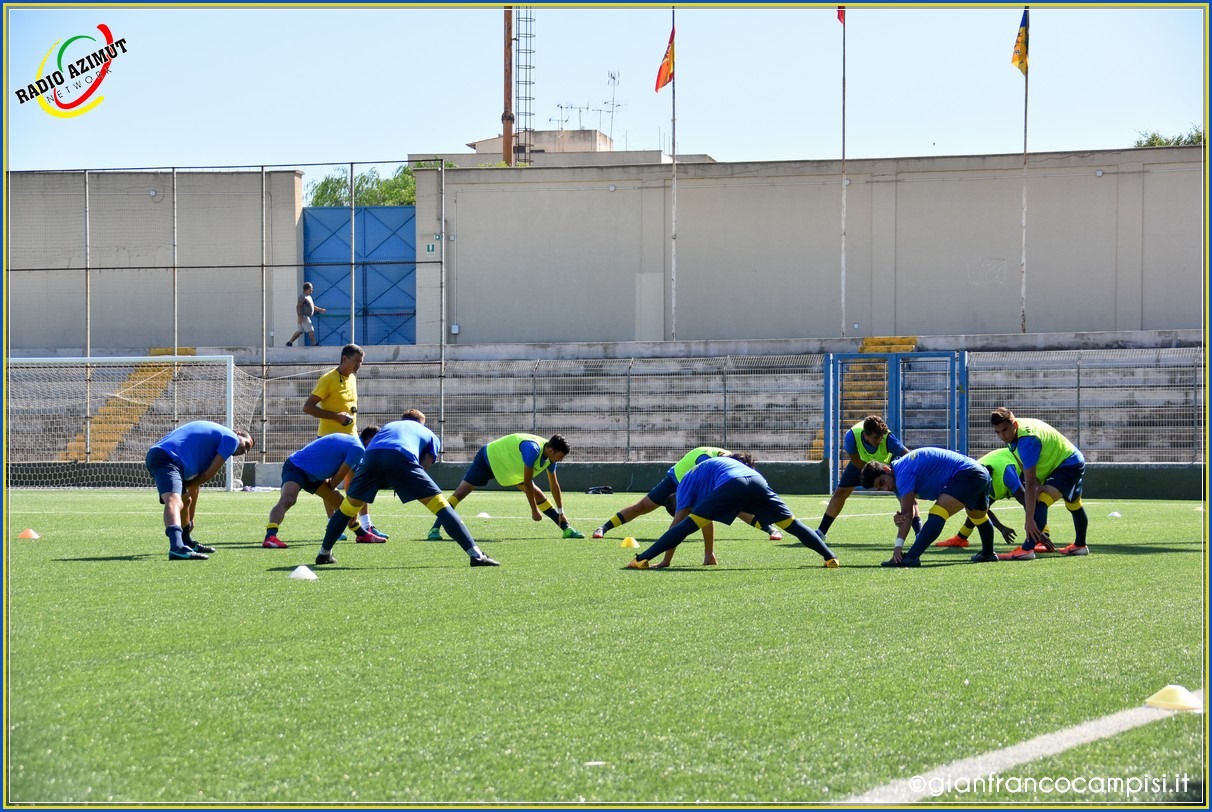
{"x":665,"y":72}
{"x":1019,"y":58}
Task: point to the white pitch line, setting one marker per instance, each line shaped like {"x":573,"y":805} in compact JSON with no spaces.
{"x":917,"y":788}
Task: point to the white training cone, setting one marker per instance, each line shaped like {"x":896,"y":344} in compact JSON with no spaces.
{"x":1115,"y":514}
{"x":483,"y":516}
{"x":1175,"y":697}
{"x":28,"y":533}
{"x":301,"y":573}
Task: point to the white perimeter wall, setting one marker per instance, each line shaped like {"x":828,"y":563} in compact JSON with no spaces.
{"x":553,"y":255}
{"x":933,"y":247}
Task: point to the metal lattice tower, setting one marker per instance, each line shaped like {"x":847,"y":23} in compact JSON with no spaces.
{"x":524,"y":84}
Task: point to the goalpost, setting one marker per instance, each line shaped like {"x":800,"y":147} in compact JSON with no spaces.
{"x":88,"y":422}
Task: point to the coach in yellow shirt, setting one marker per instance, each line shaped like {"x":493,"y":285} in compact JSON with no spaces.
{"x":335,"y":402}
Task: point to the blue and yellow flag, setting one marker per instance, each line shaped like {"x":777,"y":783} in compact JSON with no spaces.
{"x":1019,"y":58}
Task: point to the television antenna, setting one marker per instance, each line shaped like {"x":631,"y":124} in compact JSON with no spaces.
{"x":612,"y":78}
{"x":580,"y":111}
{"x":562,"y":118}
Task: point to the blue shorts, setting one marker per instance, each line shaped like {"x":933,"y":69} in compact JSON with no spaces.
{"x":750,"y":495}
{"x":1068,"y":480}
{"x":479,"y":473}
{"x":293,"y":473}
{"x":851,"y":477}
{"x":390,"y":469}
{"x":664,"y":489}
{"x":165,"y":471}
{"x":974,"y":489}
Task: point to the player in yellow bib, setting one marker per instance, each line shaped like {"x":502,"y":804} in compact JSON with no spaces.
{"x":513,"y":460}
{"x":868,"y":441}
{"x":1007,"y":484}
{"x":1053,"y":468}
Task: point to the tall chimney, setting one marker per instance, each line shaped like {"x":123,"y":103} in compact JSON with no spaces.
{"x":507,"y":116}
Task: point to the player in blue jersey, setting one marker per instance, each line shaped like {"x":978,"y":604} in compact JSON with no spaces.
{"x":664,"y":493}
{"x":1007,"y":483}
{"x":955,"y":482}
{"x":717,"y":490}
{"x":317,"y":468}
{"x":398,"y":459}
{"x":180,"y":463}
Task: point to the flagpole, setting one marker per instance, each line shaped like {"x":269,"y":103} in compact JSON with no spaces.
{"x":673,"y":239}
{"x":1020,"y":59}
{"x":842,"y":17}
{"x":1023,"y":259}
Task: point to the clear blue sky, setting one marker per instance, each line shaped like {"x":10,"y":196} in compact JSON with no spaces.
{"x":247,"y":86}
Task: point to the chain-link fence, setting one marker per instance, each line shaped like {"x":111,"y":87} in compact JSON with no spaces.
{"x":1116,"y":405}
{"x":614,"y":410}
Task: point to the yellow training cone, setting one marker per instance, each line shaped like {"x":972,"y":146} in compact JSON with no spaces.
{"x":1175,"y":697}
{"x":28,"y":533}
{"x":629,"y":542}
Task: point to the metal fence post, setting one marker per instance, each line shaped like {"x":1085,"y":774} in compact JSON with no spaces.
{"x":627,"y":407}
{"x":1079,"y":399}
{"x":534,"y":398}
{"x":724,"y":380}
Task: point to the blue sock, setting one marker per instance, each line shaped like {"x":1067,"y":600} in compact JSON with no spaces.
{"x":672,"y":538}
{"x":454,"y":527}
{"x":336,"y":526}
{"x":810,"y":539}
{"x":1041,"y":521}
{"x":174,"y":537}
{"x":930,"y":531}
{"x":1080,"y":523}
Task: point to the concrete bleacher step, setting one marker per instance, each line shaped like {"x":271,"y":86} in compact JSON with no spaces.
{"x":864,"y":385}
{"x":114,"y":420}
{"x":888,"y":344}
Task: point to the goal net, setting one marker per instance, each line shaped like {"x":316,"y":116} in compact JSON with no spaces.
{"x":88,"y":422}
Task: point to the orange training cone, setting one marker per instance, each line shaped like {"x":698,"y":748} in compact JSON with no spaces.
{"x":28,"y":533}
{"x":1175,"y":697}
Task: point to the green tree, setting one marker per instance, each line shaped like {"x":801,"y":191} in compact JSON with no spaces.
{"x":370,"y":189}
{"x":1194,"y":137}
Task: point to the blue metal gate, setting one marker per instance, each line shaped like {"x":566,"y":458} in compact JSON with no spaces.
{"x":920,"y":395}
{"x":384,"y":284}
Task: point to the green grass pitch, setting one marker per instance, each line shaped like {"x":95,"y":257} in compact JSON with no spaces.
{"x":404,"y":676}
